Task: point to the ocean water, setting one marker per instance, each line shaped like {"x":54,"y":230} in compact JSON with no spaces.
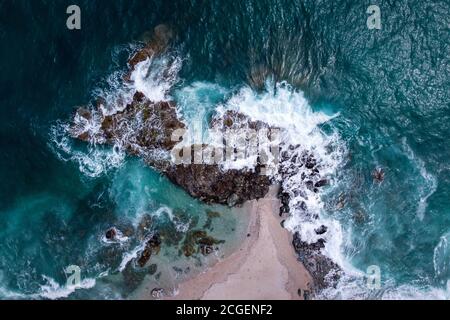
{"x":360,"y":99}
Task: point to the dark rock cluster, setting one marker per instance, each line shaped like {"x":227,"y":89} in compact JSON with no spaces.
{"x":212,"y":185}
{"x":145,"y":128}
{"x":152,"y":246}
{"x":158,"y":43}
{"x":198,"y":241}
{"x":322,"y":269}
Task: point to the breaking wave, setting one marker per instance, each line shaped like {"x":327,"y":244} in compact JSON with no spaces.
{"x":154,"y":77}
{"x":53,"y":290}
{"x":284,"y":107}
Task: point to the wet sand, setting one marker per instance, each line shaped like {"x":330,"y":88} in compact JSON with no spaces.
{"x":264,"y":267}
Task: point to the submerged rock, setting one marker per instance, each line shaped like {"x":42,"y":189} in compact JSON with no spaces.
{"x":323,"y":229}
{"x":133,"y":277}
{"x":210,"y":216}
{"x":199,"y":241}
{"x":142,"y":127}
{"x":158,"y":43}
{"x":144,"y":226}
{"x":378,"y":175}
{"x":152,"y":247}
{"x":321,"y":183}
{"x":111,"y":234}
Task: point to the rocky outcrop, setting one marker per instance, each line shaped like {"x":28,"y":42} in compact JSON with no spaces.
{"x":323,"y":270}
{"x":212,"y":185}
{"x":198,"y":241}
{"x":157,"y":44}
{"x":301,"y":176}
{"x":146,"y":129}
{"x":143,"y":126}
{"x":111,"y":234}
{"x":152,"y":247}
{"x":233,"y":120}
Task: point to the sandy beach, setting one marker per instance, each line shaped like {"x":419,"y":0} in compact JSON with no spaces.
{"x":264,"y":267}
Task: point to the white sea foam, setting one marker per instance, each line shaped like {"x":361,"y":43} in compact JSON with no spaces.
{"x":133,"y":254}
{"x":118,"y":238}
{"x":155,"y":76}
{"x":279,"y":106}
{"x":11,"y":295}
{"x":283,"y":107}
{"x":353,"y":284}
{"x":53,"y":290}
{"x":164,"y":210}
{"x":426,"y":189}
{"x":353,"y":287}
{"x":92,"y":161}
{"x":441,"y":258}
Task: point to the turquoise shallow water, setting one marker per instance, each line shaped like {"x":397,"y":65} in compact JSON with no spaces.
{"x":390,"y":88}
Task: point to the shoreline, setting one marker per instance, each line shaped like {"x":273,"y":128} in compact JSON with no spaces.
{"x":263,"y":267}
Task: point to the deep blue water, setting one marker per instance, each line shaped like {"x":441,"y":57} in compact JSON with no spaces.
{"x":390,"y":88}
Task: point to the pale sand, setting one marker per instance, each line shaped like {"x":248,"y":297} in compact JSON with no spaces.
{"x":265,"y":267}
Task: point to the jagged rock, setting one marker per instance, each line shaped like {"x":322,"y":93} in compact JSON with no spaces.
{"x":199,"y":241}
{"x":284,"y":197}
{"x":321,"y":230}
{"x":158,"y":43}
{"x":232,"y":200}
{"x":378,"y":175}
{"x":152,"y":125}
{"x":323,"y":270}
{"x":321,"y":183}
{"x":111,"y":234}
{"x":284,"y":209}
{"x":153,"y":246}
{"x":310,"y":162}
{"x":212,"y":185}
{"x":206,"y":250}
{"x":234,"y":120}
{"x":145,"y":257}
{"x":155,"y":243}
{"x":143,"y":126}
